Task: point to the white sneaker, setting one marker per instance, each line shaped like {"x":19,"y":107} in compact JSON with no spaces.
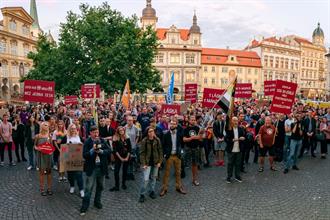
{"x":55,"y":167}
{"x":37,"y":168}
{"x":29,"y":168}
{"x":60,"y":179}
{"x":82,"y":193}
{"x":2,"y":164}
{"x":71,"y":190}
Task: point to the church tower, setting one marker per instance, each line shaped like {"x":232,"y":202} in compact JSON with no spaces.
{"x":149,"y":17}
{"x":318,"y":36}
{"x":195,"y":32}
{"x":35,"y":29}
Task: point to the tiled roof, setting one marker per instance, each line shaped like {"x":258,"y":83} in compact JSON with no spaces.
{"x":220,"y":57}
{"x":302,"y":40}
{"x":161,"y":33}
{"x":274,"y":40}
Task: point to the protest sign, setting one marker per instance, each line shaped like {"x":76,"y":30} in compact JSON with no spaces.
{"x":243,"y":90}
{"x":71,"y":100}
{"x":71,"y":157}
{"x":190,"y":93}
{"x":284,"y":97}
{"x":170,"y":109}
{"x":39,"y":91}
{"x":211,"y":96}
{"x":88,"y":90}
{"x":269,"y":87}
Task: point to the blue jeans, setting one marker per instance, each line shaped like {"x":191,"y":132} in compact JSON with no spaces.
{"x":76,"y":175}
{"x":286,"y":147}
{"x":97,"y":178}
{"x":295,"y":146}
{"x":153,"y":170}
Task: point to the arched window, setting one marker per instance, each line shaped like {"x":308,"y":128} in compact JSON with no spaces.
{"x":13,"y":47}
{"x":3,"y":46}
{"x":12,"y":25}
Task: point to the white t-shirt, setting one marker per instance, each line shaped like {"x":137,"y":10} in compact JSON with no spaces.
{"x":288,"y":123}
{"x":236,"y":143}
{"x":73,"y":140}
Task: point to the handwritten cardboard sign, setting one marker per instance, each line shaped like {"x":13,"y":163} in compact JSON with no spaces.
{"x":71,"y":157}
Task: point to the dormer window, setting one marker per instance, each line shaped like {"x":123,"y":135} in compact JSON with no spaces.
{"x":173,"y":40}
{"x":232,"y":58}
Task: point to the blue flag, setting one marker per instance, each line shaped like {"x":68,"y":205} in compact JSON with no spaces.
{"x":169,"y":96}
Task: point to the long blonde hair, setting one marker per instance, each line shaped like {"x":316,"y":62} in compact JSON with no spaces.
{"x":69,"y":132}
{"x":44,"y":131}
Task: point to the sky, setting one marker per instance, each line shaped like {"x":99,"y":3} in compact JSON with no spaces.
{"x":224,"y":23}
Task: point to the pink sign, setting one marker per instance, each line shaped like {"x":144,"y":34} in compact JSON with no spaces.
{"x":39,"y":91}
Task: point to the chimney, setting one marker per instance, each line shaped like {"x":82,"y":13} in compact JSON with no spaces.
{"x":227,"y":47}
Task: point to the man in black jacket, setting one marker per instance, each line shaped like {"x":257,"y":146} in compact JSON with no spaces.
{"x":309,"y":125}
{"x":172,"y":145}
{"x":234,"y":139}
{"x":95,"y":153}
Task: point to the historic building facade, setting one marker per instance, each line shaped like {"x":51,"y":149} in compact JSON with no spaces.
{"x":18,"y":36}
{"x":217,"y":64}
{"x":179,"y":51}
{"x":280,"y":59}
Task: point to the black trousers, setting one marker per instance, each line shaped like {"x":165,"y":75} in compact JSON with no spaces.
{"x":234,"y":162}
{"x":19,"y":144}
{"x":2,"y":151}
{"x":308,"y":143}
{"x":118,"y":164}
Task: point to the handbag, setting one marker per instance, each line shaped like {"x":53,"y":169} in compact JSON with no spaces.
{"x":320,"y":136}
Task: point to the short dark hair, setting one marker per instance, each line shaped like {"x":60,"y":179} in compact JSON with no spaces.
{"x":93,"y":128}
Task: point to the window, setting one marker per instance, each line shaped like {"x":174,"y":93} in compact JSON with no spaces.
{"x":271,"y":62}
{"x":266,"y":60}
{"x":190,"y":58}
{"x":205,"y":68}
{"x":177,"y":77}
{"x":4,"y":68}
{"x":205,"y":80}
{"x":277,"y":62}
{"x":291,"y":64}
{"x":213,"y":69}
{"x":190,"y":76}
{"x":12,"y":25}
{"x":14,"y":70}
{"x":159,"y":58}
{"x":175,"y":58}
{"x":286,"y":63}
{"x":249,"y":71}
{"x":25,"y":30}
{"x":3,"y":46}
{"x":26,"y":49}
{"x":255,"y":71}
{"x":224,"y":69}
{"x":282,"y":63}
{"x":296,"y":64}
{"x":173,"y":40}
{"x":195,"y":42}
{"x":213,"y":81}
{"x":239,"y":70}
{"x":13,"y":46}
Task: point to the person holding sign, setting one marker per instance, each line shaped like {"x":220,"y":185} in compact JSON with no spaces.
{"x":266,"y":141}
{"x":122,"y":150}
{"x":42,"y":145}
{"x":72,"y":137}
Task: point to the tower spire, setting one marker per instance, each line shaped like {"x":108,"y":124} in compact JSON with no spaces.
{"x":195,"y":28}
{"x":34,"y":14}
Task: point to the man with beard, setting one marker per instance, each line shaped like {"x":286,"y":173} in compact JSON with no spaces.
{"x":172,"y":146}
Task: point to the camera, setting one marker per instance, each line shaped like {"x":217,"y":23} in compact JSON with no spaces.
{"x":98,"y":144}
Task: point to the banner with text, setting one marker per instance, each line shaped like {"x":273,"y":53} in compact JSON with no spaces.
{"x":71,"y":157}
{"x":269,"y":87}
{"x":171,"y":109}
{"x":211,"y":96}
{"x":87,"y":91}
{"x":71,"y":100}
{"x":284,"y":97}
{"x":190,"y":93}
{"x":243,"y":90}
{"x":39,"y":91}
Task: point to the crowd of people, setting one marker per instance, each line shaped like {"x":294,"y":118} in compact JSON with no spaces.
{"x":144,"y":139}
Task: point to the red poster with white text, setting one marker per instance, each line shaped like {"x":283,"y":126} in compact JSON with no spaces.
{"x":190,"y":92}
{"x":171,"y":109}
{"x":88,"y":90}
{"x":269,"y":87}
{"x":39,"y":91}
{"x":243,"y":90}
{"x":71,"y":100}
{"x":211,"y":96}
{"x":284,"y":97}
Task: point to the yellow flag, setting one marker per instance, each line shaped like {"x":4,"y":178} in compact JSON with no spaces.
{"x":125,"y":100}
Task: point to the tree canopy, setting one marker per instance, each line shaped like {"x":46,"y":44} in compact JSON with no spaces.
{"x":99,"y":45}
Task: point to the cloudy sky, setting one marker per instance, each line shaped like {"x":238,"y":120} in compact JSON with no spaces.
{"x":223,"y":23}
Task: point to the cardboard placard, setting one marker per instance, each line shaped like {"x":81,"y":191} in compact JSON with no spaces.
{"x":71,"y":157}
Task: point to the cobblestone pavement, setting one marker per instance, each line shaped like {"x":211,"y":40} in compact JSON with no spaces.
{"x":303,"y":194}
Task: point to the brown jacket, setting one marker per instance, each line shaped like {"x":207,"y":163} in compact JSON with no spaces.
{"x":145,"y":151}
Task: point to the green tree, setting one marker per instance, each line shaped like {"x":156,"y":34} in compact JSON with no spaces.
{"x":99,"y":45}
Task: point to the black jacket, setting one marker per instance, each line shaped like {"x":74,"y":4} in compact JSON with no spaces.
{"x":167,"y":143}
{"x":28,"y":137}
{"x":229,"y":139}
{"x":89,"y":164}
{"x":216,"y":129}
{"x":306,"y":125}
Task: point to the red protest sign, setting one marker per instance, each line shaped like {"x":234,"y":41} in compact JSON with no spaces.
{"x":284,"y":97}
{"x":269,"y":87}
{"x":39,"y":91}
{"x":71,"y":100}
{"x":243,"y":90}
{"x":87,"y":91}
{"x":170,"y":109}
{"x":211,"y":96}
{"x":190,"y":93}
